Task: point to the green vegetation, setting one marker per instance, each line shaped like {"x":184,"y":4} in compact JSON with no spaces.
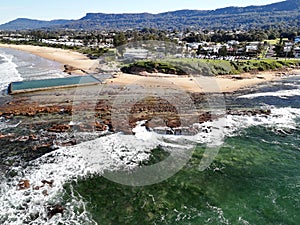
{"x":283,"y":14}
{"x":221,"y":67}
{"x":276,"y":41}
{"x":152,"y":67}
{"x":270,"y":42}
{"x":208,"y":67}
{"x":263,"y":65}
{"x":92,"y":52}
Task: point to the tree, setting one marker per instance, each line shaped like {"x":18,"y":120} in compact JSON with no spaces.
{"x":279,"y":50}
{"x":223,"y":51}
{"x":199,"y":50}
{"x":260,"y":48}
{"x":119,"y":39}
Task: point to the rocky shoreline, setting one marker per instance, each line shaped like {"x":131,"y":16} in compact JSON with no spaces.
{"x":143,"y":110}
{"x":40,"y":122}
{"x":73,"y":70}
{"x":44,"y":128}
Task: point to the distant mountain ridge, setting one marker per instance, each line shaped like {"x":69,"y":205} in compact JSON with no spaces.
{"x":25,"y":24}
{"x":285,"y":13}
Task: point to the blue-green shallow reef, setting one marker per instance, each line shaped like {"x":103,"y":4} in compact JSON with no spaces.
{"x":253,"y":180}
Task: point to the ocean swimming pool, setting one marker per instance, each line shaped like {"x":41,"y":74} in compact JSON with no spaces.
{"x":35,"y":85}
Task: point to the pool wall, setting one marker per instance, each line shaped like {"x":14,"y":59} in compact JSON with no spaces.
{"x":48,"y":84}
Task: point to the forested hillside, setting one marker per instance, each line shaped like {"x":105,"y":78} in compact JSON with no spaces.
{"x":280,"y":15}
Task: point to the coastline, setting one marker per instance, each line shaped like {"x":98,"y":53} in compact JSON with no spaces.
{"x":72,"y":62}
{"x":221,"y":83}
{"x":79,"y":64}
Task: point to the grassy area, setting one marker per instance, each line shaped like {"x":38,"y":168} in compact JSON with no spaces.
{"x":263,"y":65}
{"x":153,"y":67}
{"x":209,"y":67}
{"x":275,"y":41}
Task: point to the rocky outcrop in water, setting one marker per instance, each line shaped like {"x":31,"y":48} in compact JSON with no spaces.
{"x":60,"y":128}
{"x":249,"y":112}
{"x":20,"y":108}
{"x":56,"y":209}
{"x":102,"y":120}
{"x":71,"y":70}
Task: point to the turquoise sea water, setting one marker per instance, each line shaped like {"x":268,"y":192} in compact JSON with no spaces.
{"x":16,"y":65}
{"x":254,"y":178}
{"x":54,"y":82}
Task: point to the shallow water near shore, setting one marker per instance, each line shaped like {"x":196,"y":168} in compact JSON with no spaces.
{"x":17,"y":65}
{"x":254,"y":178}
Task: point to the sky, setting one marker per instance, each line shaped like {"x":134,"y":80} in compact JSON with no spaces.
{"x":76,"y":9}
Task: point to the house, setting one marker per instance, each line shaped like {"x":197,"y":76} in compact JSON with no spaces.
{"x":233,"y":42}
{"x":193,"y":46}
{"x":251,"y":48}
{"x":287,"y":48}
{"x":136,"y":53}
{"x":297,"y":52}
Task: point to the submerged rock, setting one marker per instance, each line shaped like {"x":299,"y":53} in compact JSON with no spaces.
{"x":56,"y":209}
{"x":60,"y":128}
{"x":2,"y":136}
{"x":23,"y":184}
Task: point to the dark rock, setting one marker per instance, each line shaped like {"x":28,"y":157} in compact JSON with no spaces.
{"x":23,"y":184}
{"x":56,"y":209}
{"x":60,"y":128}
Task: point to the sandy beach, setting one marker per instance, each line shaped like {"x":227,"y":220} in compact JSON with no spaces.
{"x":75,"y":62}
{"x":224,"y":83}
{"x":80,"y":64}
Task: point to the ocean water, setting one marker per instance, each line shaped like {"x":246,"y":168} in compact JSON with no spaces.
{"x":17,"y":66}
{"x":253,"y":179}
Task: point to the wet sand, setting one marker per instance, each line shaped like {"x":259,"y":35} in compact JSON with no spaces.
{"x":75,"y":62}
{"x":224,"y":83}
{"x":80,"y":64}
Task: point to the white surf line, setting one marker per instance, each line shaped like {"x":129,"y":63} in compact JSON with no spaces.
{"x":9,"y":72}
{"x":281,"y":94}
{"x":63,"y":165}
{"x":113,"y":152}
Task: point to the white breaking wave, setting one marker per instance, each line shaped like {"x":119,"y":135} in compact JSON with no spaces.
{"x":281,"y":94}
{"x":19,"y":66}
{"x":113,"y":152}
{"x":108,"y":153}
{"x":4,"y":124}
{"x":280,"y":118}
{"x":8,"y":71}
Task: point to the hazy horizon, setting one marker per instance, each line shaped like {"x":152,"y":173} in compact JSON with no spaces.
{"x":76,"y":9}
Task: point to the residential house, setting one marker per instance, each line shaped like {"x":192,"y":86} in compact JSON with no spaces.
{"x":297,"y":52}
{"x":136,"y":53}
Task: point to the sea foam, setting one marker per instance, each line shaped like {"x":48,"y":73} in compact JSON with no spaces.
{"x":9,"y":72}
{"x":280,"y":94}
{"x":112,"y":152}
